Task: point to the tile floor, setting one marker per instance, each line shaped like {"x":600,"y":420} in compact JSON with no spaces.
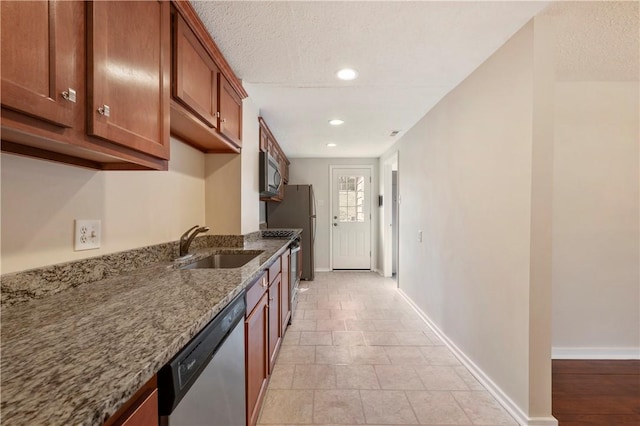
{"x":357,"y":353}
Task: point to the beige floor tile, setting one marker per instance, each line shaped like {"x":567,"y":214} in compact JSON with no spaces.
{"x":398,"y":377}
{"x":441,"y":378}
{"x":348,"y":338}
{"x":329,"y":305}
{"x":413,"y":338}
{"x":314,"y":376}
{"x":387,"y":407}
{"x":471,"y":382}
{"x":336,"y":355}
{"x":302,"y":325}
{"x":388,"y":325}
{"x":303,"y":305}
{"x":317,"y":297}
{"x":405,"y":355}
{"x":297,"y":355}
{"x":331,"y":325}
{"x":315,"y":338}
{"x":337,"y":407}
{"x":482,"y":408}
{"x":414,"y":325}
{"x":360,"y":325}
{"x":354,"y":306}
{"x":380,"y":338}
{"x":439,"y":355}
{"x":368,"y":355}
{"x":356,"y":377}
{"x":282,"y":376}
{"x":287,"y":407}
{"x":437,"y":408}
{"x":314,"y":314}
{"x":291,"y":338}
{"x":344,"y":314}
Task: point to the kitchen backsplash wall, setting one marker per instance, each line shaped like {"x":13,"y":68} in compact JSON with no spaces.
{"x":41,"y":282}
{"x":40,"y":201}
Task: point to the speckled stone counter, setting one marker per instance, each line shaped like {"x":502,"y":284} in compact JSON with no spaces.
{"x":73,"y":358}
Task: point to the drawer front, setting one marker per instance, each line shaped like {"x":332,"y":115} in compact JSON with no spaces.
{"x":274,"y":270}
{"x":255,"y":291}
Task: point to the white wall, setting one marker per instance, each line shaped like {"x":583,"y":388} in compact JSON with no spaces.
{"x":41,"y":199}
{"x":315,"y":171}
{"x":465,"y":181}
{"x":232,"y":197}
{"x":596,"y":276}
{"x":250,"y":197}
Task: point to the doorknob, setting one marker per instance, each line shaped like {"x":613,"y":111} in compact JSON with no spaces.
{"x":335,"y":224}
{"x":335,"y":217}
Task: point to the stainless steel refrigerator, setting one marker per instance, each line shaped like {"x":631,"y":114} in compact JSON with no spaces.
{"x":297,"y":210}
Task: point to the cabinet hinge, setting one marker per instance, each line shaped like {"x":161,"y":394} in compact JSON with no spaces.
{"x":217,"y":114}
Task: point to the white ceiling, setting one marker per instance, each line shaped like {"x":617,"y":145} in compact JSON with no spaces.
{"x":408,"y":55}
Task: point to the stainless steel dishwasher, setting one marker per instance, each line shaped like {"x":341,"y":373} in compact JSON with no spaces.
{"x":204,"y":384}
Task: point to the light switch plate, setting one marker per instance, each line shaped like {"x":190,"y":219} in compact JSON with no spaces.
{"x":88,"y":234}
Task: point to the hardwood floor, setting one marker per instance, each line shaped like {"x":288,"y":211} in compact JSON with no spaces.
{"x":596,"y":392}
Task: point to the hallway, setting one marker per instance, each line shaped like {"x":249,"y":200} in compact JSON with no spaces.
{"x":357,"y":353}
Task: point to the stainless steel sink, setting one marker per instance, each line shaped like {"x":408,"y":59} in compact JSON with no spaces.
{"x":223,"y":260}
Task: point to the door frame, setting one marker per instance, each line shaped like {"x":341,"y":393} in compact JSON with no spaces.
{"x":390,"y":165}
{"x":331,"y":192}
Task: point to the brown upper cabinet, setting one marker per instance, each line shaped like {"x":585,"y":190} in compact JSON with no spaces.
{"x":269,"y":144}
{"x":206,"y":106}
{"x":128,"y":75}
{"x":87,"y":83}
{"x":38,"y":47}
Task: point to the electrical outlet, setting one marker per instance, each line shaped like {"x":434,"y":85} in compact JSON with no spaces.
{"x":419,"y":236}
{"x":87,"y":235}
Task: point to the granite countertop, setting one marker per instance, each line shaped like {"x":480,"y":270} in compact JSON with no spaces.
{"x":75,"y":357}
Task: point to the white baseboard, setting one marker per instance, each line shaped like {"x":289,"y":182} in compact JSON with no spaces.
{"x":504,"y":400}
{"x":322,"y":270}
{"x":595,"y":353}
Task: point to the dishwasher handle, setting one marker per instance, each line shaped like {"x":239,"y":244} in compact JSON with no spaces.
{"x":177,"y":376}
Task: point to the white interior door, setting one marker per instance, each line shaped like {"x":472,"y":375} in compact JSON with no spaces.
{"x":351,"y":218}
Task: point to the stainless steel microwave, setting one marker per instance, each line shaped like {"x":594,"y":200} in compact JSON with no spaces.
{"x":270,"y":177}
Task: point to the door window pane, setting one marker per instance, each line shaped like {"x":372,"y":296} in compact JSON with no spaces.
{"x":351,"y":198}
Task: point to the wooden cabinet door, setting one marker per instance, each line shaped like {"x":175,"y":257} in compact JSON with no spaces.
{"x":257,"y":357}
{"x":230,"y":112}
{"x":145,"y":414}
{"x":275,"y":329}
{"x":128,"y":55}
{"x":264,"y":139}
{"x":285,"y":305}
{"x":195,"y":79}
{"x":39,"y":58}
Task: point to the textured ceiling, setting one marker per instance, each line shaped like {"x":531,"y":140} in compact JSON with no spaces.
{"x":408,"y":55}
{"x":597,"y":40}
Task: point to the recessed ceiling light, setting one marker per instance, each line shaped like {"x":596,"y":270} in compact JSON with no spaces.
{"x":347,"y":74}
{"x":336,"y":122}
{"x":331,"y":145}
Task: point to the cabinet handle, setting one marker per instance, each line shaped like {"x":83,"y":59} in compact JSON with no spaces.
{"x":224,"y":120}
{"x":104,"y":110}
{"x":69,"y":95}
{"x":271,"y":299}
{"x":264,"y":282}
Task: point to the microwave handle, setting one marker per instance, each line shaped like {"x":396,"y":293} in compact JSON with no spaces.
{"x":278,"y":179}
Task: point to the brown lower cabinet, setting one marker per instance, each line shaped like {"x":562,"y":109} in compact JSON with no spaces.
{"x":140,"y":410}
{"x":267,"y":307}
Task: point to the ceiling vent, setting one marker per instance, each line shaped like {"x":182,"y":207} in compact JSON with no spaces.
{"x":394,"y":133}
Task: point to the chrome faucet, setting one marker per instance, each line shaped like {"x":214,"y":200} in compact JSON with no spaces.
{"x":187,"y":238}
